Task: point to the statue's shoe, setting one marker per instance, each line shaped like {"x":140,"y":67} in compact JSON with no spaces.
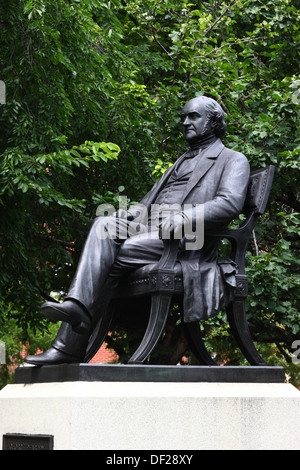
{"x":51,"y":357}
{"x":70,"y":312}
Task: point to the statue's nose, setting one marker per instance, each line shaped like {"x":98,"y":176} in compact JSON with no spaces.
{"x":186,"y":121}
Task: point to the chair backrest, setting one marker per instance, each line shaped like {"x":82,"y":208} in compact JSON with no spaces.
{"x":259,"y":188}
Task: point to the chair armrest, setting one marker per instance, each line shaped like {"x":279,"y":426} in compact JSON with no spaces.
{"x":162,"y":275}
{"x":169,"y":256}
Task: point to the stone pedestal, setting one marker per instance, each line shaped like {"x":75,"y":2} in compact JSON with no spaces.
{"x":145,"y":415}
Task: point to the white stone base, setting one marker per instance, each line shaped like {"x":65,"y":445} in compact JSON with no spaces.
{"x":155,"y":416}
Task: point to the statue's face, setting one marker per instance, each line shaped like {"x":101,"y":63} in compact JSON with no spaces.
{"x":195,"y":122}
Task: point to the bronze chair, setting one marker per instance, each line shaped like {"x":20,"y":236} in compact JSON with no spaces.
{"x":163,"y":282}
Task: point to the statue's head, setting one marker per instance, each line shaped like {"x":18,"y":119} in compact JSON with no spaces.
{"x":201,"y":117}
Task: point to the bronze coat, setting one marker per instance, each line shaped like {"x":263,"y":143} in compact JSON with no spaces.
{"x":219,"y":183}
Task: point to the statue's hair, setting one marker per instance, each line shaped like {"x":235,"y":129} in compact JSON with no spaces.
{"x":215,"y":115}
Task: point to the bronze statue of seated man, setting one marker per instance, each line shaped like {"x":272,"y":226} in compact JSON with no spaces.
{"x":205,"y":188}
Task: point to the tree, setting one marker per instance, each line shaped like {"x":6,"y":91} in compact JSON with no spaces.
{"x":117,"y":73}
{"x":55,"y":126}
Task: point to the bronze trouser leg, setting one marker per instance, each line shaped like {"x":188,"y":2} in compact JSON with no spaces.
{"x":95,"y":263}
{"x":102,"y":263}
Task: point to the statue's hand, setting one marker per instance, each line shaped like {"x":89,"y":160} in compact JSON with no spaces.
{"x":172,"y":227}
{"x":122,"y":214}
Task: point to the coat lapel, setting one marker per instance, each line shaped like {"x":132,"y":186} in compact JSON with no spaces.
{"x":206,"y":161}
{"x":159,"y":185}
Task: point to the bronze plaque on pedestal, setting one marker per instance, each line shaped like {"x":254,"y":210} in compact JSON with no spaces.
{"x":27,"y":442}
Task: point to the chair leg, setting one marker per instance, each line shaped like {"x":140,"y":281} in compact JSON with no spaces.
{"x":160,"y":305}
{"x":236,"y":314}
{"x":98,"y":336}
{"x":193,"y":334}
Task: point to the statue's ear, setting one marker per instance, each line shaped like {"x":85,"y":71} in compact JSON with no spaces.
{"x":218,"y":125}
{"x":214,"y":122}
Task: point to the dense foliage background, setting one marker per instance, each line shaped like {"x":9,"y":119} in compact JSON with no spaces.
{"x":93,"y":93}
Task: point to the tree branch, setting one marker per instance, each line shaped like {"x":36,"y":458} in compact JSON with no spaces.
{"x":227,"y":44}
{"x":160,"y":45}
{"x":57,"y":240}
{"x":220,"y":17}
